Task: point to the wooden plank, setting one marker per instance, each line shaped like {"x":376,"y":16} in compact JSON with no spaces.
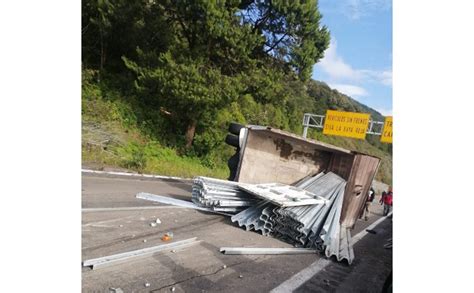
{"x":358,"y":185}
{"x":341,"y":165}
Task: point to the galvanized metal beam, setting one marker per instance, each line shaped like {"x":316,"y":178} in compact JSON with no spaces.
{"x":175,"y":202}
{"x":130,"y":255}
{"x":260,"y":250}
{"x":92,"y":210}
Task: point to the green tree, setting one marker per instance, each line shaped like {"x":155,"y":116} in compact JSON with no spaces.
{"x":115,"y":28}
{"x":219,"y":52}
{"x":200,"y":71}
{"x":292,"y":32}
{"x":188,"y":89}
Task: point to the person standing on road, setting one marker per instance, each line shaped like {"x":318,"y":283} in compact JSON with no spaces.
{"x":370,"y":198}
{"x":371,"y":194}
{"x":387,"y":201}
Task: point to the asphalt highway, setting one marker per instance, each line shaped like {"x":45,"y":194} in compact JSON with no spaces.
{"x":114,"y":221}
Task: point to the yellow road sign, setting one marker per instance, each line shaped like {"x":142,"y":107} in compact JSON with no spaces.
{"x":347,"y":124}
{"x":387,"y":130}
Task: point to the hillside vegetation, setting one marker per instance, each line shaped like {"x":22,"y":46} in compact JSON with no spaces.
{"x":162,"y":80}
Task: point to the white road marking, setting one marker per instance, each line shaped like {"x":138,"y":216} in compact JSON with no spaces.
{"x":306,"y":274}
{"x":100,"y":226}
{"x":362,"y":233}
{"x":107,"y":221}
{"x":133,"y":174}
{"x":87,"y":210}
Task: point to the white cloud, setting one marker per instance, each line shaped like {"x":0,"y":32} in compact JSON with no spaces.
{"x":384,"y":112}
{"x":356,"y":9}
{"x":335,"y":66}
{"x":386,"y":78}
{"x":338,"y":70}
{"x":350,"y":90}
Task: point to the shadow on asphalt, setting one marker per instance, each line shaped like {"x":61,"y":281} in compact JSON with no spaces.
{"x":186,"y":186}
{"x":178,"y":196}
{"x":245,"y":274}
{"x":367,"y":273}
{"x":190,"y":280}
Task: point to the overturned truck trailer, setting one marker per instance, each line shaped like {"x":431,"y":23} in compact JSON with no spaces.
{"x":271,"y":155}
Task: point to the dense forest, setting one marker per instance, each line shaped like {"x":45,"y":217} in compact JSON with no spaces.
{"x":161,"y":80}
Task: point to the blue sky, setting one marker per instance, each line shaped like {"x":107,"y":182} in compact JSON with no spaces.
{"x":358,"y":61}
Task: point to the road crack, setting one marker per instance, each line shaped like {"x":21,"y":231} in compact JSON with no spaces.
{"x":203,"y":275}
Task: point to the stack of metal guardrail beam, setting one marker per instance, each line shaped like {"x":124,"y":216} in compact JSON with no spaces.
{"x":221,"y":195}
{"x":255,"y":218}
{"x":297,"y":224}
{"x":312,"y":226}
{"x":333,"y":239}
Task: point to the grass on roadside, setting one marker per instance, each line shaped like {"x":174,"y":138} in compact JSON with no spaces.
{"x":109,"y":145}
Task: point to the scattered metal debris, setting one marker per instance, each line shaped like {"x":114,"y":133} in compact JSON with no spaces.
{"x":389,"y":243}
{"x":130,"y":255}
{"x":147,"y":285}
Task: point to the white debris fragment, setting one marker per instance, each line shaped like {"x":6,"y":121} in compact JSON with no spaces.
{"x":158,"y":221}
{"x":153,"y":224}
{"x":173,"y":251}
{"x":224,"y":266}
{"x":115,"y":290}
{"x":144,"y":240}
{"x":147,"y":285}
{"x":240,"y":276}
{"x":172,"y":289}
{"x":120,"y":226}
